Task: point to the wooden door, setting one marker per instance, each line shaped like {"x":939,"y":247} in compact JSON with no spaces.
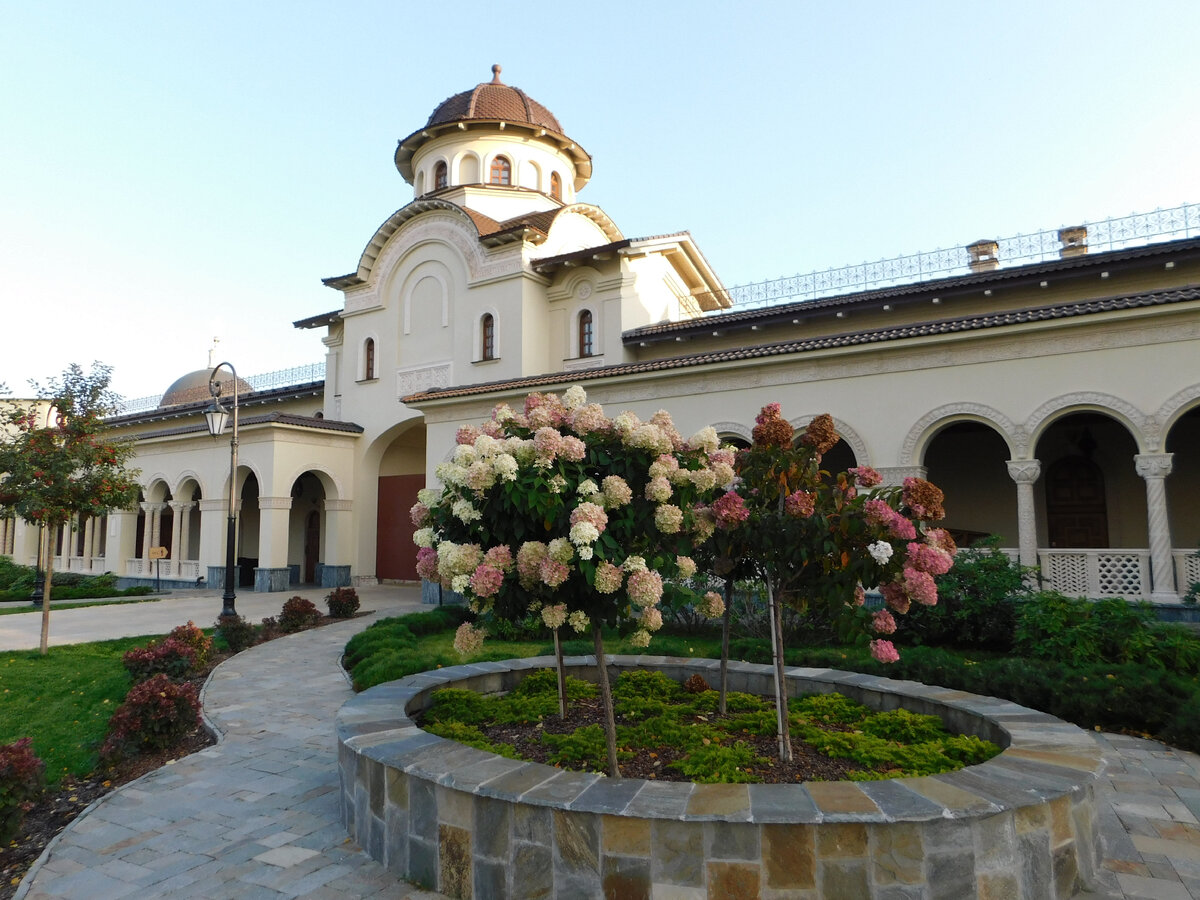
{"x":395,"y":553}
{"x":1076,"y":507}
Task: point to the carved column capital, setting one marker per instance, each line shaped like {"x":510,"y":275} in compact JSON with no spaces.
{"x":1024,"y":471}
{"x":274,"y":502}
{"x":1153,"y":465}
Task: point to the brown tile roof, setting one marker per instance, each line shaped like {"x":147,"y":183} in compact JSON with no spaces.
{"x":254,"y":398}
{"x":848,"y":339}
{"x":494,"y":101}
{"x":934,"y":287}
{"x":275,"y":418}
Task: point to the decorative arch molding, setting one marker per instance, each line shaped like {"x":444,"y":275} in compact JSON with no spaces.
{"x":410,"y":284}
{"x":1144,"y":429}
{"x":742,"y":431}
{"x":245,"y":470}
{"x":845,"y":432}
{"x":918,"y":437}
{"x":458,"y":229}
{"x":151,"y":489}
{"x":329,"y":481}
{"x":597,"y":215}
{"x":1177,"y":406}
{"x":186,"y":476}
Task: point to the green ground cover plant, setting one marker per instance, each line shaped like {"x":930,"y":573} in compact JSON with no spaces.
{"x":656,"y":715}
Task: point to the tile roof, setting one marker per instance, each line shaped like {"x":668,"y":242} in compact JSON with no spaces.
{"x":254,"y":398}
{"x":492,"y":100}
{"x":848,"y":339}
{"x":941,"y":285}
{"x":275,"y":418}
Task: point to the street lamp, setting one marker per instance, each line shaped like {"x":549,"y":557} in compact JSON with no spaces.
{"x":217,"y":415}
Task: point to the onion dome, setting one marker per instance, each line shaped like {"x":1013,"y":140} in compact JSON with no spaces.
{"x":193,"y":388}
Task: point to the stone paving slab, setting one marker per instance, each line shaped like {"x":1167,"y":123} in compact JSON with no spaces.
{"x":257,"y":815}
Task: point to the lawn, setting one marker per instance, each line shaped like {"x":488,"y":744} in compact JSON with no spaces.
{"x":63,"y":700}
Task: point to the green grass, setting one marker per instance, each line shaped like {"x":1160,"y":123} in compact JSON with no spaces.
{"x":27,"y":607}
{"x":63,"y":700}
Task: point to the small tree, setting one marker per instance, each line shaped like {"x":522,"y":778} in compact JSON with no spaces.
{"x":817,"y":538}
{"x":58,"y":460}
{"x":562,"y":516}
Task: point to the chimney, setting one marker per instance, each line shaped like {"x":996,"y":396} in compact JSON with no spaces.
{"x":1073,"y":240}
{"x":984,"y":256}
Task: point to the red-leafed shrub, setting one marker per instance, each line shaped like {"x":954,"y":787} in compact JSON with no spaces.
{"x":170,"y":657}
{"x":155,"y":715}
{"x":195,"y":638}
{"x":236,"y":632}
{"x":342,"y":602}
{"x":298,"y":614}
{"x":20,"y":783}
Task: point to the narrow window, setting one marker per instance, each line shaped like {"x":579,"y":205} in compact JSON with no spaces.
{"x":439,"y":176}
{"x":487,"y":332}
{"x":586,"y":334}
{"x":555,"y":186}
{"x":369,"y":359}
{"x":501,"y":171}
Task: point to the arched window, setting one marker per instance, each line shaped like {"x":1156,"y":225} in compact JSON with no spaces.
{"x":587,"y":337}
{"x":501,"y":171}
{"x":440,"y":176}
{"x":487,"y":334}
{"x":555,"y":186}
{"x":369,"y":359}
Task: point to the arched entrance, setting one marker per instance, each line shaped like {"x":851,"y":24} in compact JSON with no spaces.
{"x":306,"y":529}
{"x":968,"y":461}
{"x":248,"y":528}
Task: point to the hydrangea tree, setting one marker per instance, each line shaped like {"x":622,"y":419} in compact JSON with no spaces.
{"x":562,"y":513}
{"x":817,"y":538}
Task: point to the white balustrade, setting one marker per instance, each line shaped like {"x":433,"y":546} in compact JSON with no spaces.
{"x":1096,"y":573}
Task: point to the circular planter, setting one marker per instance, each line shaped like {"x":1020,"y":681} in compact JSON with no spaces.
{"x":472,"y":824}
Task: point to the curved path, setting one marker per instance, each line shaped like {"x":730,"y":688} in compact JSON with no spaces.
{"x":256,"y":816}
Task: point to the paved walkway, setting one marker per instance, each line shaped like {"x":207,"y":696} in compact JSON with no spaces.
{"x":256,"y":816}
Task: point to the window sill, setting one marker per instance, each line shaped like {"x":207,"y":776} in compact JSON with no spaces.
{"x":484,"y":362}
{"x":366,"y":380}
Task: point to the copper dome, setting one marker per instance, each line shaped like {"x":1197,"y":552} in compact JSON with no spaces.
{"x":193,"y":388}
{"x":494,"y":100}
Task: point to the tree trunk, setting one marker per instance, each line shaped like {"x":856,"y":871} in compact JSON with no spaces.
{"x":781,"y":711}
{"x":562,"y":676}
{"x":610,"y":724}
{"x":48,"y":568}
{"x":725,"y":621}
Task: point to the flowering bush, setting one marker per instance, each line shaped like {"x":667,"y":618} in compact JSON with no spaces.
{"x":560,"y":512}
{"x":154,"y":716}
{"x":20,"y":782}
{"x":170,"y":657}
{"x":298,"y":614}
{"x":195,"y":638}
{"x":342,"y":602}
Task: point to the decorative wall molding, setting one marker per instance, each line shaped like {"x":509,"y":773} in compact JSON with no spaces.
{"x":745,"y":432}
{"x":1142,"y":427}
{"x":339,"y":505}
{"x":919,"y":435}
{"x":274,"y":502}
{"x":1177,"y":405}
{"x":415,"y":379}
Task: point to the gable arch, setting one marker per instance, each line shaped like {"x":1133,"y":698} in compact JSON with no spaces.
{"x":429,"y":270}
{"x":736,"y":428}
{"x":845,"y":432}
{"x":156,"y":488}
{"x":447,"y":222}
{"x":1143,"y":429}
{"x":919,"y":436}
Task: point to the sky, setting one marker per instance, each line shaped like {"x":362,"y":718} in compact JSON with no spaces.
{"x":171,"y":172}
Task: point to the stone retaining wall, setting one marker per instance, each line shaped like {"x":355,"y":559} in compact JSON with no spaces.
{"x":471,"y":824}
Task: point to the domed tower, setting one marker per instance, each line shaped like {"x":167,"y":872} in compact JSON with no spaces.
{"x":496,"y":150}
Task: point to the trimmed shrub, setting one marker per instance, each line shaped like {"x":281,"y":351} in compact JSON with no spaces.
{"x":170,"y":657}
{"x":21,"y":774}
{"x":156,"y":714}
{"x":195,"y":638}
{"x":236,"y":632}
{"x":298,"y":614}
{"x":342,"y":602}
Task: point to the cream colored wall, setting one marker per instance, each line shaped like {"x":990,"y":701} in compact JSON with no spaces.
{"x":533,"y":160}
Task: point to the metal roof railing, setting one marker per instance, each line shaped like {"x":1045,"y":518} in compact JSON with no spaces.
{"x":280,"y":378}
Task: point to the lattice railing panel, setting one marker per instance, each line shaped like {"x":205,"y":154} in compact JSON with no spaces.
{"x":1119,"y":574}
{"x":1068,"y":573}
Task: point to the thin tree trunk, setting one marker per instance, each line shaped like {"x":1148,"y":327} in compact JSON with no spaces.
{"x":562,"y":676}
{"x":725,"y":620}
{"x":48,"y":568}
{"x":781,"y":713}
{"x":610,"y":725}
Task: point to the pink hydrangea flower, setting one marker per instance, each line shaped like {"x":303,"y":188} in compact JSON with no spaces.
{"x":866,"y":476}
{"x":500,"y":557}
{"x":529,"y":562}
{"x":468,"y":639}
{"x":894,"y":596}
{"x":592,"y":514}
{"x":427,"y":563}
{"x":552,"y":572}
{"x":927,"y":558}
{"x":547,"y":441}
{"x":730,"y":510}
{"x":884,"y":651}
{"x":572,"y":449}
{"x":486,"y":580}
{"x":920,"y":586}
{"x":879,"y":513}
{"x":608,"y":578}
{"x":645,"y":587}
{"x":800,"y":504}
{"x":467,"y":434}
{"x":419,"y":514}
{"x":668,"y":518}
{"x":860,"y":595}
{"x":883,"y":622}
{"x":616,"y":491}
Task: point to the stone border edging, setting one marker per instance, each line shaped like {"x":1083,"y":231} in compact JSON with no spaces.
{"x":470,"y":823}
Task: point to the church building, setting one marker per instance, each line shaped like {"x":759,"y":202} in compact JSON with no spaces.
{"x":1053,"y":395}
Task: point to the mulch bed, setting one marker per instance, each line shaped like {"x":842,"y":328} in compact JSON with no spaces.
{"x":57,"y":808}
{"x":654,"y":762}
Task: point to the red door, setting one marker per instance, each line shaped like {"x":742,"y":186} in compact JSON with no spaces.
{"x":395,"y":553}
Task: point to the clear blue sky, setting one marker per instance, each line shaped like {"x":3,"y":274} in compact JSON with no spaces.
{"x":173,"y":172}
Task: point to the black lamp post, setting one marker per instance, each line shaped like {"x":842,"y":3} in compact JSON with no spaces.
{"x":217,"y":415}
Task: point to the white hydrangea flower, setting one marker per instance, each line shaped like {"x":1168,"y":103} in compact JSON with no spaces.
{"x":584,"y":533}
{"x":465,"y":511}
{"x":706,"y":439}
{"x":460,"y":583}
{"x":505,"y":466}
{"x":560,"y":550}
{"x":486,"y":445}
{"x":587,"y":488}
{"x":574,"y":397}
{"x":557,"y":484}
{"x":634,"y":564}
{"x":423,"y":537}
{"x":431,"y":497}
{"x":881,"y":551}
{"x":586,"y":552}
{"x":579,"y":621}
{"x":464,"y":454}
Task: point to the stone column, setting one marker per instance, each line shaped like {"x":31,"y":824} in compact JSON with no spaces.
{"x":177,"y":514}
{"x":893,"y":476}
{"x":335,"y":554}
{"x":150,"y":532}
{"x":1025,"y":472}
{"x":272,"y":572}
{"x":184,"y":512}
{"x":1155,"y":467}
{"x":89,"y":534}
{"x":121,"y":545}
